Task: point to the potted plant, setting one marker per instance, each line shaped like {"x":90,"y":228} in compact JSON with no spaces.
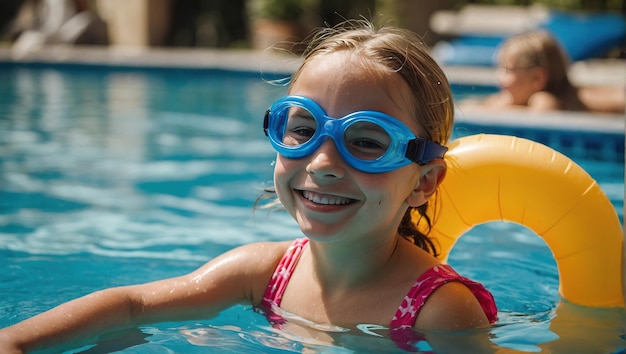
{"x":277,"y":23}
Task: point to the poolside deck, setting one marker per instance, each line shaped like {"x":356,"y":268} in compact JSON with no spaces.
{"x":598,"y":72}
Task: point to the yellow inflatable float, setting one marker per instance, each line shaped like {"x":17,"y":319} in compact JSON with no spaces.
{"x":497,"y":177}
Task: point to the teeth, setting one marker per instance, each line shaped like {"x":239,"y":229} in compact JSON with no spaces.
{"x":325,"y":199}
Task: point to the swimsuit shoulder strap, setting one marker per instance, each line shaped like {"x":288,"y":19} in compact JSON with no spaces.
{"x":277,"y":285}
{"x":430,"y":281}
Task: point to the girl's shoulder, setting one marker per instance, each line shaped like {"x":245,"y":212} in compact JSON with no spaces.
{"x":542,"y":101}
{"x":257,"y":262}
{"x":452,"y":307}
{"x":261,"y":256}
{"x":243,"y":272}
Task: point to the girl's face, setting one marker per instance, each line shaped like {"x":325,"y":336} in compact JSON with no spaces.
{"x":520,"y":82}
{"x":326,"y":196}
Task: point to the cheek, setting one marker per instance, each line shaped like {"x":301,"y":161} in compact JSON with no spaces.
{"x":505,"y":80}
{"x":284,"y":171}
{"x":390,"y":188}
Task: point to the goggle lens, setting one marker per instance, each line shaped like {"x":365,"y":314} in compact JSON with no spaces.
{"x":369,"y":141}
{"x":363,"y":140}
{"x":299,"y":127}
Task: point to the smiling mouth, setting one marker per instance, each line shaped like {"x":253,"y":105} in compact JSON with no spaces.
{"x":326,"y":199}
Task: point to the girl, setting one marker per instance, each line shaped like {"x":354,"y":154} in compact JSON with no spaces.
{"x":532,"y":73}
{"x":360,"y":141}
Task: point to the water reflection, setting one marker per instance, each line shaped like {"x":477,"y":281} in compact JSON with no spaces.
{"x":82,"y":148}
{"x":147,"y":174}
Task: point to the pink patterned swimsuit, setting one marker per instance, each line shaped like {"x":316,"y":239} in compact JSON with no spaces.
{"x":408,"y":311}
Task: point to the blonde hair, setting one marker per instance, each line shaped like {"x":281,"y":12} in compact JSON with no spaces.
{"x":402,"y":52}
{"x":539,"y":49}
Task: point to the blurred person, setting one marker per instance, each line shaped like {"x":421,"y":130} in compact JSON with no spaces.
{"x":532,"y":74}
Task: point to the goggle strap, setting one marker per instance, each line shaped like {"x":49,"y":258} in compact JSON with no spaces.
{"x":266,"y":122}
{"x":422,"y":151}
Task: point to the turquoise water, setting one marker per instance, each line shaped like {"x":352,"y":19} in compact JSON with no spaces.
{"x":113,"y":177}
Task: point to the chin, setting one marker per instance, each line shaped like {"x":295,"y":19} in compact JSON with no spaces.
{"x":319,"y":233}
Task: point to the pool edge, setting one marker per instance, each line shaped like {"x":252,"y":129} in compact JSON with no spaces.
{"x":274,"y":63}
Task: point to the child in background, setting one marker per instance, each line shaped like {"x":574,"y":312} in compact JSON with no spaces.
{"x":533,"y":73}
{"x":360,"y":141}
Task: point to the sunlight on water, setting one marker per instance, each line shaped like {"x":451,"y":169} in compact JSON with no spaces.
{"x":115,"y":177}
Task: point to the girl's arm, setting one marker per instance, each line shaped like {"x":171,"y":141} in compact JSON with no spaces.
{"x":605,"y":99}
{"x":238,"y":276}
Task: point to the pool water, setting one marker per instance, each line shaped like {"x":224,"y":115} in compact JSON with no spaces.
{"x":113,"y":176}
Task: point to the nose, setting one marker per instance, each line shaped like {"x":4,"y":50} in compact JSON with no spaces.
{"x":326,"y":163}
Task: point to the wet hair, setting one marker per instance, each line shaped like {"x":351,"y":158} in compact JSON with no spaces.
{"x":540,"y":49}
{"x":402,"y":52}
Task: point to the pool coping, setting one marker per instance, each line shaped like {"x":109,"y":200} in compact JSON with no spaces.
{"x":272,"y":62}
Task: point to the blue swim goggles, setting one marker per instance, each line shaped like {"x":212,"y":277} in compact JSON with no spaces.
{"x":369,"y":141}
